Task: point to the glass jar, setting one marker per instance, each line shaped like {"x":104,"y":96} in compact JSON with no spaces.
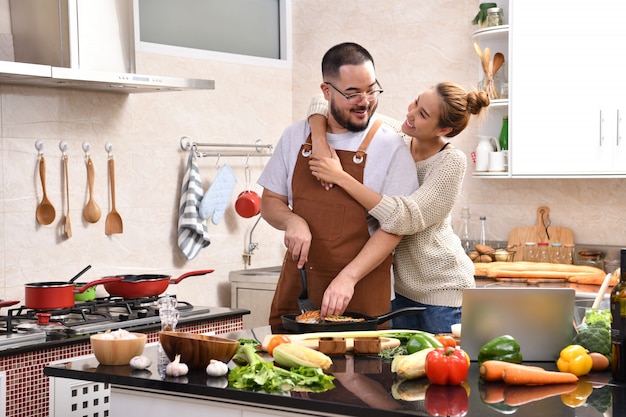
{"x":495,"y":17}
{"x":542,"y":252}
{"x":556,"y":253}
{"x":530,"y":252}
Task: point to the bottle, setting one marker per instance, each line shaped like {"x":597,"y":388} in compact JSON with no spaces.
{"x":483,"y":231}
{"x":464,"y":233}
{"x":618,"y":323}
{"x":530,"y":252}
{"x":556,"y":255}
{"x":504,"y":134}
{"x":542,"y":252}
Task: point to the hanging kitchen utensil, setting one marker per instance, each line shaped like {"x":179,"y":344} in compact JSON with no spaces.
{"x":367,"y":323}
{"x":304,"y":302}
{"x":248,"y":203}
{"x":45,"y":211}
{"x":91,"y":212}
{"x":113,"y":223}
{"x":67,"y":224}
{"x":543,"y":231}
{"x":146,"y":285}
{"x":55,"y":295}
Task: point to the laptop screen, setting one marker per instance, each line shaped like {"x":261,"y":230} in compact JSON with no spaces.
{"x":540,"y":319}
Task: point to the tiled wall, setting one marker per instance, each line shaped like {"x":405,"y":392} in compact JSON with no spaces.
{"x":414,"y":43}
{"x":27,"y":388}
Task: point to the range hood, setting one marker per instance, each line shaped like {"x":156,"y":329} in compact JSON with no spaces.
{"x":81,"y":44}
{"x":19,"y":73}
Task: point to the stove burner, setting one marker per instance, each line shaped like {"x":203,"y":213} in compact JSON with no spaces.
{"x":105,"y":309}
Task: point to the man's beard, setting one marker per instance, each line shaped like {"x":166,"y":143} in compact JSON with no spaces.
{"x":342,"y":120}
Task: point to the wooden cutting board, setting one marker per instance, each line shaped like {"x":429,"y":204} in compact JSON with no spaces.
{"x":543,"y":231}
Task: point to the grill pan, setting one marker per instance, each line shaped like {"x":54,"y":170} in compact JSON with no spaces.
{"x":369,"y":322}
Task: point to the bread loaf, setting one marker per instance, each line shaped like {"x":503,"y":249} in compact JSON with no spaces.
{"x":533,"y":270}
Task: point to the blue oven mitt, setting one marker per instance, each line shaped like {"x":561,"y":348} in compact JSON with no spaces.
{"x":217,"y":197}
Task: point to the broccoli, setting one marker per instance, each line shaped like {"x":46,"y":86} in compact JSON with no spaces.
{"x":595,"y":337}
{"x":601,"y":398}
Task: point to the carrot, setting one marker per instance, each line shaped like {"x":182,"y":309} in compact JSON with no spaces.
{"x":492,"y":370}
{"x":527,"y":375}
{"x":515,"y":395}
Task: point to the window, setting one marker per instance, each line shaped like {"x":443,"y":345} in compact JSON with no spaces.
{"x":249,"y":31}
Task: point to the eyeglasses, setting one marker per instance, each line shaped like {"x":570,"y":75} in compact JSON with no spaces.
{"x":357,"y":97}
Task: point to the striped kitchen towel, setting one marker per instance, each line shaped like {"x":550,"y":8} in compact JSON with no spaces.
{"x":192,"y":230}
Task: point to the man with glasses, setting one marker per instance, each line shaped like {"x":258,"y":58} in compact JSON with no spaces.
{"x":327,"y":233}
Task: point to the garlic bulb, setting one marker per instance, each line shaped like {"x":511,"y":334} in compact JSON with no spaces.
{"x":140,"y":362}
{"x":216,"y":368}
{"x":176,"y":368}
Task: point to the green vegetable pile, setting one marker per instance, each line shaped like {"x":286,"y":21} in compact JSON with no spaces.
{"x":595,"y":334}
{"x":256,"y":374}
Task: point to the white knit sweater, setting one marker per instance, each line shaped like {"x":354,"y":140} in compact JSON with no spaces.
{"x":431,"y":266}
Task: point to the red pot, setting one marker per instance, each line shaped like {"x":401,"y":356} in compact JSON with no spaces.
{"x":146,"y":285}
{"x":57,"y":295}
{"x":248,"y":204}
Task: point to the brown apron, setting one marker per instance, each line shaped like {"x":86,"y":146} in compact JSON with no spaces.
{"x":339,"y":231}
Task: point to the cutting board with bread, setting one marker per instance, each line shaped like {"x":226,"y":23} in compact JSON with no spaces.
{"x":542,"y":231}
{"x":543,"y":271}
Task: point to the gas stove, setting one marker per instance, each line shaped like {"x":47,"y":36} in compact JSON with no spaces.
{"x":101,"y":314}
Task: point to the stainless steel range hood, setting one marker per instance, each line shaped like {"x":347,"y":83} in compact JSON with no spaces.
{"x":81,"y":44}
{"x":18,"y":73}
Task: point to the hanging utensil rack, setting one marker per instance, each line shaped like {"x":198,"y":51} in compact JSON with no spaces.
{"x":227,"y":149}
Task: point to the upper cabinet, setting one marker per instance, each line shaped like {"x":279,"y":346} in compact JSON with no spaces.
{"x":567,"y":96}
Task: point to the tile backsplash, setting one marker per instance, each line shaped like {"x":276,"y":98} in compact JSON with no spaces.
{"x":415,"y":44}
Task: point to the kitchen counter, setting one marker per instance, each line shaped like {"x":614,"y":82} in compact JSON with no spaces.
{"x":364,"y":387}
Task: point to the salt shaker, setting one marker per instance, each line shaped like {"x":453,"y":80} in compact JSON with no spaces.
{"x":168,"y":313}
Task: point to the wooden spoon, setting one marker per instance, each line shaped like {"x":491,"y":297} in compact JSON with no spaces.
{"x":91,"y":212}
{"x":498,"y":61}
{"x":45,"y":211}
{"x":68,"y":226}
{"x":113,"y":223}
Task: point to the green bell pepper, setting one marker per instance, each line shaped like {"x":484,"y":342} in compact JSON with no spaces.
{"x":421,"y":341}
{"x":503,"y":348}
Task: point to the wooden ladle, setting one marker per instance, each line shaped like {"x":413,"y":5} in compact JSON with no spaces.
{"x":113,"y":223}
{"x":91,"y":212}
{"x":45,"y":211}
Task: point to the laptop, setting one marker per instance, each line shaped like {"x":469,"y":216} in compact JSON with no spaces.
{"x":540,"y":319}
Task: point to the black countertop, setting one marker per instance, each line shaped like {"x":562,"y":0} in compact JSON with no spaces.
{"x":364,"y":387}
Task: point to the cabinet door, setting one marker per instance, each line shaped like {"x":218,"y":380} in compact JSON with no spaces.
{"x":562,"y":112}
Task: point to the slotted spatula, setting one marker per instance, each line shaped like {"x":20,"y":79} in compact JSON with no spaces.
{"x":304,"y":302}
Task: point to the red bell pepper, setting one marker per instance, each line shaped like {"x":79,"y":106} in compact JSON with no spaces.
{"x":446,"y":366}
{"x":446,"y":400}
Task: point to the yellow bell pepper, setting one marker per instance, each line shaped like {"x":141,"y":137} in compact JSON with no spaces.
{"x":575,"y":360}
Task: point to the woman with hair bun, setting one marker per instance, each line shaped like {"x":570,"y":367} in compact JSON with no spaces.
{"x":431,"y":268}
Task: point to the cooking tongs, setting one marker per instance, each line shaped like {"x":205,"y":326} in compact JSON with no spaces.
{"x":304,"y":302}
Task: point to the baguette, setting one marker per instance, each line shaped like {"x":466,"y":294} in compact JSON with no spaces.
{"x":573,"y":273}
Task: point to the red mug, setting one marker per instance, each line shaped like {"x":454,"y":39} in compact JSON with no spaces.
{"x":248,"y":204}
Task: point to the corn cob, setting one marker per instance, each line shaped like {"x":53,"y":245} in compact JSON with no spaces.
{"x":414,"y":365}
{"x":291,"y":355}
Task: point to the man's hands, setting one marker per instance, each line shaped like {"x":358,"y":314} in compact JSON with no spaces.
{"x":298,"y":239}
{"x":337,"y":295}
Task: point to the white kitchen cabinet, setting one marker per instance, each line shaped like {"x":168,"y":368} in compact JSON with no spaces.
{"x":253,"y":289}
{"x":567,"y":95}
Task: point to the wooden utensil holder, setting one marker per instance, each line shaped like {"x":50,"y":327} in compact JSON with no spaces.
{"x":367,"y":345}
{"x":332,"y":345}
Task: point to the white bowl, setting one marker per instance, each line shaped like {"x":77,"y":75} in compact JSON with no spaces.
{"x":456,"y":330}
